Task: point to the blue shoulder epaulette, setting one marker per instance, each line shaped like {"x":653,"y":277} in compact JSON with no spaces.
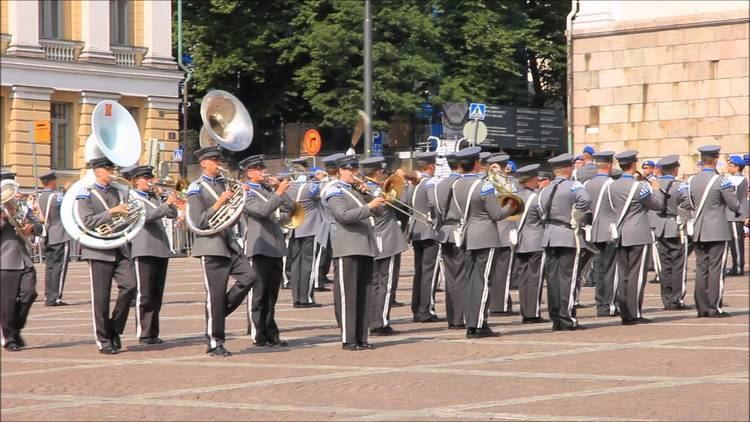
{"x":575,"y":186}
{"x":725,"y":183}
{"x":84,"y":193}
{"x":332,"y":191}
{"x":194,"y":188}
{"x":645,"y":190}
{"x":487,"y":188}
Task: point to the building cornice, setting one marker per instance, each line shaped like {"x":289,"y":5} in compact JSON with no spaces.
{"x":163,"y":103}
{"x":95,"y":97}
{"x":78,"y":76}
{"x":20,"y":92}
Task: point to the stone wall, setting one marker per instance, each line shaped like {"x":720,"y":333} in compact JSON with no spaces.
{"x":664,"y":88}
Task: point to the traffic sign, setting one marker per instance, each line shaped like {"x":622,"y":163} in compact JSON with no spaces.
{"x":177,"y":154}
{"x":42,"y":131}
{"x":312,"y":142}
{"x":477,"y":111}
{"x":471,"y":130}
{"x":377,"y":143}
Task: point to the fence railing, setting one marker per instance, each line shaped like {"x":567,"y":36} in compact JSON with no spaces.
{"x":60,"y":50}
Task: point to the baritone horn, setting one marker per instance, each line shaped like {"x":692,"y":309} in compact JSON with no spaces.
{"x":114,"y":135}
{"x":226,"y":123}
{"x":12,"y":209}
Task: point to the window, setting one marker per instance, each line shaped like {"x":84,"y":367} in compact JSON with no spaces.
{"x":63,"y":146}
{"x":120,"y":22}
{"x":51,"y":17}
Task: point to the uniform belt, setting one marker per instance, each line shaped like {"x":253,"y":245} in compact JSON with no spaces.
{"x":558,"y":223}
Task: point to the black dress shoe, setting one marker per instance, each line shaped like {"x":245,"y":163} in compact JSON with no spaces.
{"x":60,"y":303}
{"x":538,"y":320}
{"x":580,"y":306}
{"x":636,"y":321}
{"x":12,"y":346}
{"x":150,"y":340}
{"x":720,"y":315}
{"x":263,"y":343}
{"x":504,"y":313}
{"x":307,"y":305}
{"x":432,"y":318}
{"x":643,"y":320}
{"x":383,"y":331}
{"x":678,"y":307}
{"x":396,"y":304}
{"x":279,"y":342}
{"x":219,"y":351}
{"x":322,"y":289}
{"x":576,"y":327}
{"x":481,"y":333}
{"x":116,"y":343}
{"x":365,"y":346}
{"x":109,"y":350}
{"x":654,"y":281}
{"x":352,"y":347}
{"x":20,"y":341}
{"x":456,"y":326}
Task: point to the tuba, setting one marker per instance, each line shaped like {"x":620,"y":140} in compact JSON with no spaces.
{"x":506,"y":191}
{"x":226,"y":123}
{"x":115,"y":135}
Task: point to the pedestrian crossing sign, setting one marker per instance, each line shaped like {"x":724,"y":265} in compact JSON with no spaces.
{"x":476,"y":111}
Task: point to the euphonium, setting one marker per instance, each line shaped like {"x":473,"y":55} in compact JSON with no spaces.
{"x":12,"y":209}
{"x":506,"y":190}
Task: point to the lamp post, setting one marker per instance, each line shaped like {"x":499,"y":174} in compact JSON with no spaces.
{"x":368,"y":78}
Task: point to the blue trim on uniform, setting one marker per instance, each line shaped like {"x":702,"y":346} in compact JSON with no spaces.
{"x":142,"y":193}
{"x":668,"y":176}
{"x":454,"y":174}
{"x":213,"y":180}
{"x":253,"y":185}
{"x":601,"y":174}
{"x":470,"y":175}
{"x":709,"y":169}
{"x":345,"y":184}
{"x":101,"y":187}
{"x":627,"y":176}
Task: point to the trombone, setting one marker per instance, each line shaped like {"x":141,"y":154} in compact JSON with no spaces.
{"x":391,"y":190}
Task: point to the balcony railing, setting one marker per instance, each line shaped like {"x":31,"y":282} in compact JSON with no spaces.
{"x":61,"y":50}
{"x":128,"y":55}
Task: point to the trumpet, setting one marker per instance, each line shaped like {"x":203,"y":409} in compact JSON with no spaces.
{"x":165,"y":189}
{"x":391,"y":189}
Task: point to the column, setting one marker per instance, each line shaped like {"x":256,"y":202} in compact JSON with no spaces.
{"x":89,"y":100}
{"x":26,"y":105}
{"x":23,"y":25}
{"x":95,"y":32}
{"x":163,"y":123}
{"x":157,"y":34}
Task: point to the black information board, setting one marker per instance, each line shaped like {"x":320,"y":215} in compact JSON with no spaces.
{"x":525,"y":128}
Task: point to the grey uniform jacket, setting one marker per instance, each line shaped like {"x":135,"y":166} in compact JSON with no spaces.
{"x":666,"y":218}
{"x":308,"y":195}
{"x":480,"y":230}
{"x":739,"y":185}
{"x":199,"y":210}
{"x":530,"y":230}
{"x":263,"y":235}
{"x":417,"y":197}
{"x":389,"y":238}
{"x":353,"y":232}
{"x":13,"y":252}
{"x":586,"y":172}
{"x":49,"y":203}
{"x":570,"y":194}
{"x":504,"y":228}
{"x":93,"y":213}
{"x":606,"y":214}
{"x":441,"y":204}
{"x":152,"y":240}
{"x":634,"y":228}
{"x":711,"y":224}
{"x":323,"y":234}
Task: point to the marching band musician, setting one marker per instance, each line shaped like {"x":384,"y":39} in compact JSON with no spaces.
{"x":448,"y":217}
{"x":560,"y":204}
{"x":264,"y":247}
{"x":17,"y":275}
{"x":97,"y":205}
{"x":603,"y":272}
{"x":354,"y":247}
{"x":632,"y":199}
{"x":302,"y":246}
{"x":390,"y":242}
{"x":56,"y":241}
{"x":480,"y":212}
{"x":323,"y":259}
{"x":588,"y":168}
{"x":500,"y":300}
{"x":424,"y":241}
{"x":150,"y":253}
{"x":528,"y":249}
{"x":710,"y":197}
{"x":673,"y":244}
{"x":220,"y":254}
{"x":735,"y":165}
{"x":298,"y":165}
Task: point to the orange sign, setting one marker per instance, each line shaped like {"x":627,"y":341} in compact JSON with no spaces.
{"x":42,"y":131}
{"x":312,"y":142}
{"x":107,"y":110}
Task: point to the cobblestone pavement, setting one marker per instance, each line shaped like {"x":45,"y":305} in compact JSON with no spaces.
{"x":679,"y":368}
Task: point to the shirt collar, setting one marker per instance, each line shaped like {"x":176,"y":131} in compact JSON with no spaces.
{"x":471,"y":175}
{"x":213,"y":180}
{"x":101,"y":187}
{"x":455,"y":174}
{"x":253,"y":185}
{"x":142,"y":193}
{"x":601,"y":174}
{"x":709,"y":169}
{"x":627,"y":176}
{"x":667,"y":176}
{"x":48,"y":190}
{"x":345,"y":184}
{"x":560,"y":178}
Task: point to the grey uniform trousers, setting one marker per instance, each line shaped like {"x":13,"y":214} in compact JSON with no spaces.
{"x":710,"y":258}
{"x":220,"y":302}
{"x":56,"y":268}
{"x":528,"y":272}
{"x":455,"y":282}
{"x":262,"y":298}
{"x":301,"y":260}
{"x":425,"y":279}
{"x":150,"y":276}
{"x":479,"y":263}
{"x":352,"y":299}
{"x":605,"y":279}
{"x":102,"y":273}
{"x":632,"y":267}
{"x":323,"y":260}
{"x":17,"y":294}
{"x":560,"y":269}
{"x":737,"y":246}
{"x":500,"y":300}
{"x":673,"y":257}
{"x":385,"y":283}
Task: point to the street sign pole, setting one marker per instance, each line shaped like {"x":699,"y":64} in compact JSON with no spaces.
{"x":476,"y":132}
{"x":32,"y":138}
{"x":368,"y":78}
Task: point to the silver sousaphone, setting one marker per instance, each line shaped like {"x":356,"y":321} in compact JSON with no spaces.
{"x":115,"y":135}
{"x":226,"y":123}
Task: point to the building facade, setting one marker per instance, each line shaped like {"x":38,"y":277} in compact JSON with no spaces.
{"x":660,"y":77}
{"x":60,"y":58}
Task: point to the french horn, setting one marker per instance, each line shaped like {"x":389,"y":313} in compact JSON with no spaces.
{"x":12,"y":209}
{"x":115,"y":135}
{"x":505,"y":189}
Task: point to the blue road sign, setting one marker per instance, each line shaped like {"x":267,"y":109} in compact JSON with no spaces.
{"x":476,"y":111}
{"x":377,"y":143}
{"x":177,"y":154}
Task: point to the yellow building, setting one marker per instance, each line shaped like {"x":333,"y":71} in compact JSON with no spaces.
{"x":660,"y":77}
{"x":59,"y":58}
